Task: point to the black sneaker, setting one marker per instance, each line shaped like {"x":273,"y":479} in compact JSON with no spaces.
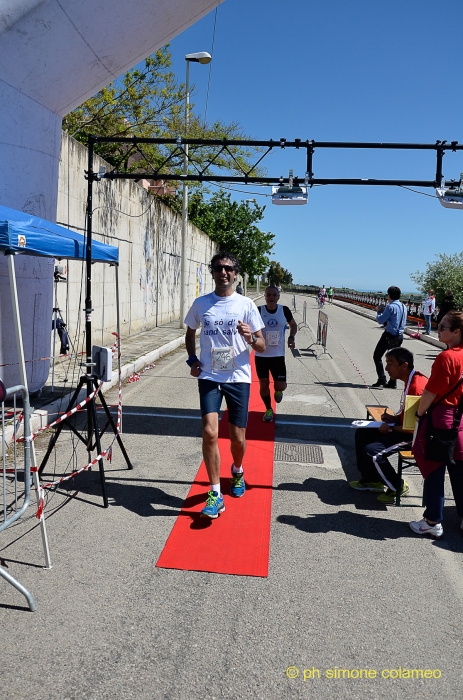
{"x":380,"y":384}
{"x":392,"y":384}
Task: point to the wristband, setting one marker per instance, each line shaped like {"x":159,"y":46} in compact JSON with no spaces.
{"x":191,"y":360}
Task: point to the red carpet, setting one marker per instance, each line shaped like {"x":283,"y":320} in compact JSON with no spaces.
{"x":238,"y":541}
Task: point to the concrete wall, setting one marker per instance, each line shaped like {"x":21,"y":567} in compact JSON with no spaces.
{"x":148,"y":235}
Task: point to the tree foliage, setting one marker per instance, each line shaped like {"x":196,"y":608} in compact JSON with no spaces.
{"x":278,"y":275}
{"x":232,"y":225}
{"x":446,"y":272}
{"x":150,"y":102}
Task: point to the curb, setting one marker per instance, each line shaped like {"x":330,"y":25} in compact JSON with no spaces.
{"x":408,"y":331}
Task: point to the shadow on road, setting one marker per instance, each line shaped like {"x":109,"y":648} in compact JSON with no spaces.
{"x":356,"y":524}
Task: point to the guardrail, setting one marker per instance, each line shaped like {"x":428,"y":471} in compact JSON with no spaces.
{"x":371,"y":301}
{"x":16,"y":493}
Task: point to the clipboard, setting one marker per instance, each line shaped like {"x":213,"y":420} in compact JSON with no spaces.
{"x":411,"y":407}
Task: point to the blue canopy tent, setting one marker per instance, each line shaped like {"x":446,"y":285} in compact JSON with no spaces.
{"x":30,"y":235}
{"x":24,"y":234}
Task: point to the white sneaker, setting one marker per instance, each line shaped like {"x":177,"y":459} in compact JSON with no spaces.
{"x":421,"y":527}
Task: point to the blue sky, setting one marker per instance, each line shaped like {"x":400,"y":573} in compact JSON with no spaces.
{"x":342,"y":71}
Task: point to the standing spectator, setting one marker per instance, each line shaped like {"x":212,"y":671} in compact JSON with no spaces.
{"x":330,"y":294}
{"x":447,"y":305}
{"x":395,"y":317}
{"x":441,"y":397}
{"x":239,"y":288}
{"x":429,"y":306}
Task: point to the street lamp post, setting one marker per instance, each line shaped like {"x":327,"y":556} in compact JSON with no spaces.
{"x":201,"y":57}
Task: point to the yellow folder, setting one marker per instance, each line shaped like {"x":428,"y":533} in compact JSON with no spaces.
{"x":411,"y":407}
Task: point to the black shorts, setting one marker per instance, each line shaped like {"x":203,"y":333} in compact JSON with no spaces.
{"x":275,"y":365}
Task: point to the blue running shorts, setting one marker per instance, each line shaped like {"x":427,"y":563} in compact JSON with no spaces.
{"x":236,"y":397}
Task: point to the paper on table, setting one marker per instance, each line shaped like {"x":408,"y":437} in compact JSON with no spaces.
{"x":366,"y":424}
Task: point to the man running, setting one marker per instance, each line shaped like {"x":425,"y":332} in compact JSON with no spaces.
{"x":272,"y":359}
{"x":229,"y":322}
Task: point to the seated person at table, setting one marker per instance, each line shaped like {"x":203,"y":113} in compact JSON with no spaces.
{"x":370,"y":442}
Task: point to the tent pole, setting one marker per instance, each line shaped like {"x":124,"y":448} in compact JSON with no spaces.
{"x":17,"y":320}
{"x":23,"y":375}
{"x":118,"y":324}
{"x":55,"y":318}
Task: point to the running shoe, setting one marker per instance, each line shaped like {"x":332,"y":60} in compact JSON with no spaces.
{"x":237,"y":485}
{"x":268,"y":415}
{"x":214,"y":506}
{"x":376,"y":486}
{"x":278,"y":396}
{"x":392,"y":384}
{"x":421,"y":527}
{"x":389,"y":496}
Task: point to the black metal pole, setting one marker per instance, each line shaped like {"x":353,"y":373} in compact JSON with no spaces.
{"x":88,"y":259}
{"x":439,"y":156}
{"x":92,"y":421}
{"x":310,"y":150}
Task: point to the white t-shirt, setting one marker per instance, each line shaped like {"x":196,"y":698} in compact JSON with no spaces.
{"x":224,"y":353}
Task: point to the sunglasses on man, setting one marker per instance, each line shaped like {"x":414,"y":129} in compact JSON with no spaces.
{"x":227,"y":268}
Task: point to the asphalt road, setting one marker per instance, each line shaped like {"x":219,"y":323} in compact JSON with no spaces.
{"x":350,"y":587}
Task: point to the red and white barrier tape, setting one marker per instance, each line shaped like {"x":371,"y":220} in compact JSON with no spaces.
{"x":135,"y":377}
{"x":353,"y":363}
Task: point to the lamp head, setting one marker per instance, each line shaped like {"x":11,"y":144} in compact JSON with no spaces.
{"x":200,"y":57}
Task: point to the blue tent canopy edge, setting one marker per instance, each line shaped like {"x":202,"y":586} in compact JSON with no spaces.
{"x":30,"y":235}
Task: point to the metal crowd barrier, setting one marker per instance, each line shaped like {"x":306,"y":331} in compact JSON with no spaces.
{"x":304,"y":323}
{"x":15,"y":493}
{"x":414,"y":308}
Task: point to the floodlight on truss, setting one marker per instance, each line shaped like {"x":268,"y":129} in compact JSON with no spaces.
{"x":452,"y":198}
{"x":291,"y":194}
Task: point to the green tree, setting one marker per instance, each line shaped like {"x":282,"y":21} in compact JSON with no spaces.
{"x":277,"y":274}
{"x":446,"y":272}
{"x":232,"y":225}
{"x":149,"y":102}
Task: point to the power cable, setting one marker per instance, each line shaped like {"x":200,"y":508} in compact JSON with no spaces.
{"x":425,"y":194}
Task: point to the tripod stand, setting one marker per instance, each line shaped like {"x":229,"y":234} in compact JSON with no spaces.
{"x":94,"y":434}
{"x":58,"y":277}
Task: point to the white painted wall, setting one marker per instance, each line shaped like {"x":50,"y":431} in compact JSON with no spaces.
{"x":148,"y":235}
{"x":54,"y":55}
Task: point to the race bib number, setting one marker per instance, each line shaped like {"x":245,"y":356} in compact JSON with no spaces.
{"x":272,"y":337}
{"x":223,"y":359}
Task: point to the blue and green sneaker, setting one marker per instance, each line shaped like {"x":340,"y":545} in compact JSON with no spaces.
{"x":214,"y":506}
{"x":237,"y":485}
